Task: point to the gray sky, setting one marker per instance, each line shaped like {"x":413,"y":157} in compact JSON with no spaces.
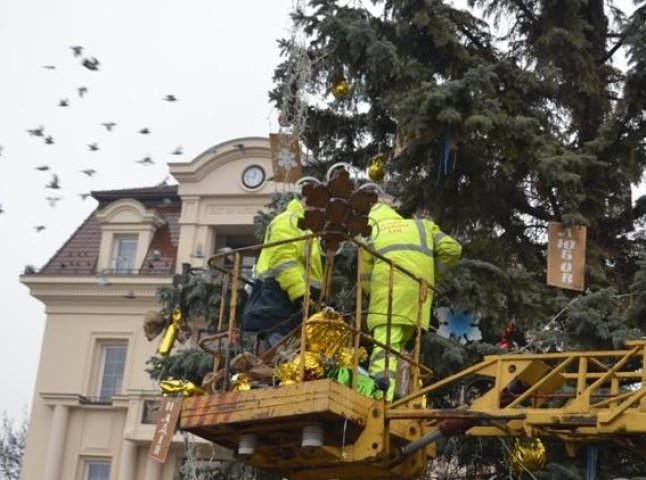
{"x":216,"y":57}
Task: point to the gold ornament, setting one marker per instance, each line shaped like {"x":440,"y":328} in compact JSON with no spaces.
{"x":340,"y":88}
{"x":288,"y":373}
{"x":346,"y":355}
{"x":186,"y":388}
{"x":376,"y":170}
{"x":528,"y":454}
{"x":170,"y":336}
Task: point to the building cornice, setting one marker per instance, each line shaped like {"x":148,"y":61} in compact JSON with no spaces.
{"x":83,"y":290}
{"x":80,"y":401}
{"x":219,"y":155}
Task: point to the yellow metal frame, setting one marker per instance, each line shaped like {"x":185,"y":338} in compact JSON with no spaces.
{"x":572,"y":396}
{"x":357,"y":440}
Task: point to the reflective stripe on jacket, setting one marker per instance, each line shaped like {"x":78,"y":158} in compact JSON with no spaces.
{"x":286,"y":262}
{"x":417,"y":245}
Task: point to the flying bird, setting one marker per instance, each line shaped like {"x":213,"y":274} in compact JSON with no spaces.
{"x":52,"y":201}
{"x":91,"y":63}
{"x":178,"y":151}
{"x":49,"y":140}
{"x":1,"y":210}
{"x":50,"y":67}
{"x":77,"y":50}
{"x":89,"y":172}
{"x":144,"y":131}
{"x":39,"y":228}
{"x":37,"y":132}
{"x":43,"y":168}
{"x":54,"y":182}
{"x":170,"y":98}
{"x":109,"y":126}
{"x":64,"y":102}
{"x":82,"y":91}
{"x":84,"y":195}
{"x":93,"y":146}
{"x":146,"y":161}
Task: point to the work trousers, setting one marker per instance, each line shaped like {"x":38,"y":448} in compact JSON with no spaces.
{"x":399,"y":337}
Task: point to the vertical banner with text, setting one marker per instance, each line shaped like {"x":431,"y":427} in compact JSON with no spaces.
{"x":169,"y":410}
{"x":566,"y":255}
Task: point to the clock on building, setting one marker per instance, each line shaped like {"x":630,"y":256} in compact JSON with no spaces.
{"x":253,"y":176}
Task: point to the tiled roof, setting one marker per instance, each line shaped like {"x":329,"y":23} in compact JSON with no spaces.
{"x":80,"y":253}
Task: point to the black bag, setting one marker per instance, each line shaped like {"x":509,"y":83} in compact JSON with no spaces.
{"x":269,"y":309}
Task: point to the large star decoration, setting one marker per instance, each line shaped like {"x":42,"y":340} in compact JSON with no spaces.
{"x":458,"y":325}
{"x":286,"y":159}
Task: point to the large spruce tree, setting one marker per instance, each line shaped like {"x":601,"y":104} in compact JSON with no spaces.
{"x":518,"y":115}
{"x":496,"y":119}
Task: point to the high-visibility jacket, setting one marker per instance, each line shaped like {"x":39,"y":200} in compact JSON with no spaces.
{"x":417,"y":245}
{"x":286,"y":262}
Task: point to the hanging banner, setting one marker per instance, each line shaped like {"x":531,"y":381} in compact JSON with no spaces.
{"x":285,"y":157}
{"x":169,"y":410}
{"x":566,"y":255}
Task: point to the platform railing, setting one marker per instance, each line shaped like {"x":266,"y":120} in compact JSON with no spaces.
{"x":233,"y":278}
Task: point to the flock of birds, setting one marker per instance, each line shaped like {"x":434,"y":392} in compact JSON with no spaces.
{"x":54,"y":184}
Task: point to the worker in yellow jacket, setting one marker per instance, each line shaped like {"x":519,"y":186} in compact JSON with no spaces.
{"x":276,"y":301}
{"x":421,"y":248}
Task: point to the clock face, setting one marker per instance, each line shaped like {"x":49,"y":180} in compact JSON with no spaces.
{"x":253,"y":176}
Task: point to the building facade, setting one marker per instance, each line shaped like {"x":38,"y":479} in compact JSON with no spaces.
{"x":92,"y":414}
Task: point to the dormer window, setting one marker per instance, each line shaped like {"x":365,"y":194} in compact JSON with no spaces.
{"x":124,"y":253}
{"x":127,"y":230}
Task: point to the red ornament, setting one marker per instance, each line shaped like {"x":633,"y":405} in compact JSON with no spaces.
{"x":283,"y":119}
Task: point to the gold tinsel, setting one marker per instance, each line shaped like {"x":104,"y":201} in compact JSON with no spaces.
{"x":186,"y":388}
{"x":324,"y":332}
{"x":528,"y":453}
{"x":240,"y":382}
{"x":288,"y":373}
{"x":325,"y":338}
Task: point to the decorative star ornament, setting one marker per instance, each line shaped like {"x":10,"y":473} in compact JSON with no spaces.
{"x":458,"y":325}
{"x":286,"y":159}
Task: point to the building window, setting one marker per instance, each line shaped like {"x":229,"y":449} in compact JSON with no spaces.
{"x":113,"y":361}
{"x":248,"y":257}
{"x":150,"y":412}
{"x":97,"y":471}
{"x":124,"y":251}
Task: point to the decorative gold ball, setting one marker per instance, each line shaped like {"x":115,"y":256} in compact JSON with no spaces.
{"x":340,"y":88}
{"x":376,"y":170}
{"x":528,"y":454}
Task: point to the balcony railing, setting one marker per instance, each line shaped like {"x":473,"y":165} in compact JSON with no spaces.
{"x":85,"y":400}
